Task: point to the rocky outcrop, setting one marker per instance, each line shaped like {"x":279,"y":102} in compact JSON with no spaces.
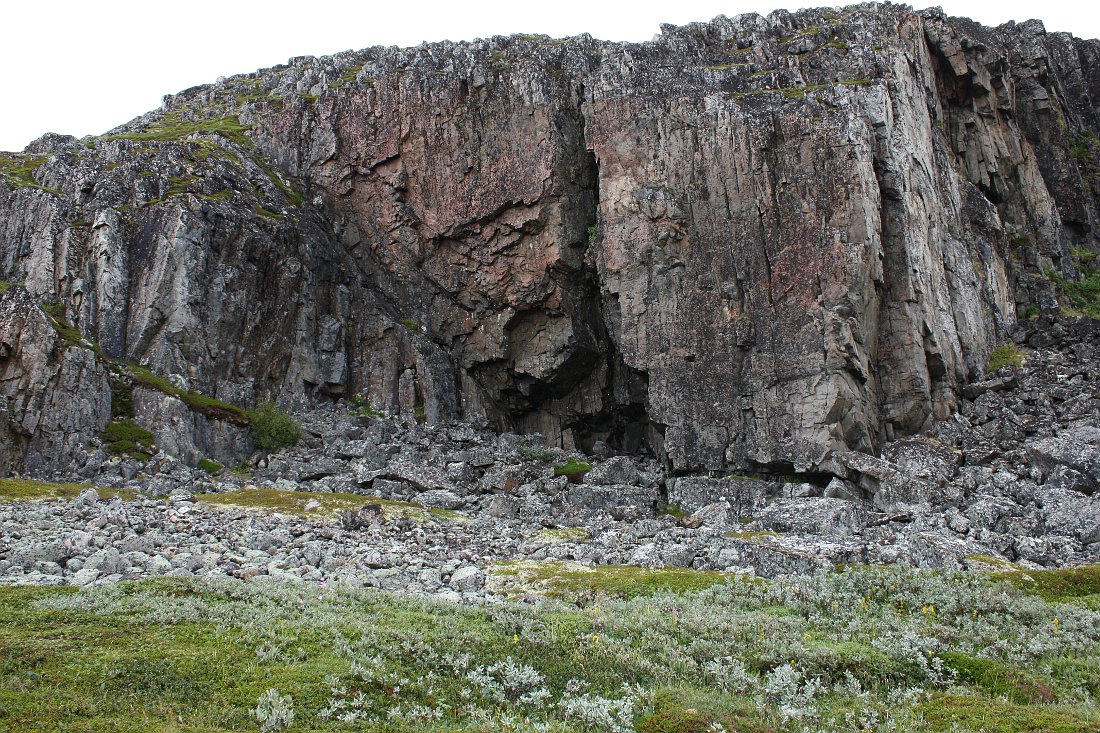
{"x":53,"y":389}
{"x":758,"y":243}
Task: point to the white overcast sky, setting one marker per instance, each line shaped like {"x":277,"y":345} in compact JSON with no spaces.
{"x":84,"y":66}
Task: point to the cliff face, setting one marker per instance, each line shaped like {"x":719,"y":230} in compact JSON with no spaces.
{"x":750,"y":243}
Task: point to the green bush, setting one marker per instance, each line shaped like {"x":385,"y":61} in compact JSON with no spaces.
{"x":574,"y":470}
{"x":1003,"y":356}
{"x":271,"y":428}
{"x":126,"y":438}
{"x":211,"y":467}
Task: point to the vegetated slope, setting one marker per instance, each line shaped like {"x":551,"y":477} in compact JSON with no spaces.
{"x":860,"y":650}
{"x":751,"y":243}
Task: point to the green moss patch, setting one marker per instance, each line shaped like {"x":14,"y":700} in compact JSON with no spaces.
{"x":173,"y":128}
{"x":291,"y":194}
{"x":577,"y":580}
{"x":573,"y":470}
{"x":210,"y":466}
{"x":20,"y":489}
{"x":322,"y":504}
{"x":563,"y":534}
{"x":361,"y":408}
{"x":208,"y":406}
{"x":990,"y":562}
{"x":1067,"y":585}
{"x":124,"y":437}
{"x":999,"y":679}
{"x":684,"y":709}
{"x":973,"y":713}
{"x":18,"y":170}
{"x":672,"y":510}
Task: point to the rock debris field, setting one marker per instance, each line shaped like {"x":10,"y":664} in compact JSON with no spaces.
{"x":460,"y":512}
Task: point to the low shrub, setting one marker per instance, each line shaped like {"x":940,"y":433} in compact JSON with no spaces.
{"x":1084,"y":292}
{"x":124,"y":437}
{"x":271,"y":428}
{"x":573,"y":470}
{"x":1005,"y":355}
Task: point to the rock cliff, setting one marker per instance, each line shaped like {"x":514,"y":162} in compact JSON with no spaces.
{"x":753,"y":243}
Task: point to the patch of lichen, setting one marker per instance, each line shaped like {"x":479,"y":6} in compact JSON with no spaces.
{"x":578,"y":582}
{"x":756,"y":536}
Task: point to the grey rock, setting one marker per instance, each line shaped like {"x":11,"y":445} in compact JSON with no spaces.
{"x":85,"y":576}
{"x":1069,"y":513}
{"x":1078,"y":449}
{"x":467,"y":579}
{"x":717,"y":515}
{"x":503,"y":507}
{"x":441,"y":498}
{"x":745,"y":496}
{"x":617,"y":470}
{"x":814,"y":516}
